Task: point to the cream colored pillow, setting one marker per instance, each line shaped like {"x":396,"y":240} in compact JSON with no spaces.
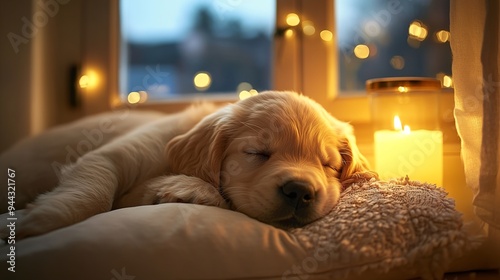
{"x":395,"y":230}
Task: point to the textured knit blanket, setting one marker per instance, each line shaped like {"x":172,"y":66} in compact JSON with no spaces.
{"x":386,"y":225}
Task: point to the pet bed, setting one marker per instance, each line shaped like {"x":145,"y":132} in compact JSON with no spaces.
{"x":379,"y":230}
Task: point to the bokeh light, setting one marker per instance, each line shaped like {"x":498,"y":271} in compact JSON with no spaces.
{"x":134,"y":97}
{"x":244,"y":94}
{"x":202,"y":81}
{"x":89,"y":80}
{"x":292,"y":19}
{"x":326,"y":35}
{"x":361,"y":51}
{"x":418,"y":30}
{"x":402,"y":89}
{"x":84,"y":81}
{"x":442,"y":36}
{"x":447,"y":81}
{"x":397,"y":62}
{"x":308,"y":28}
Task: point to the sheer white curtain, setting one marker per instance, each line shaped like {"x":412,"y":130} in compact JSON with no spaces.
{"x":475,"y":32}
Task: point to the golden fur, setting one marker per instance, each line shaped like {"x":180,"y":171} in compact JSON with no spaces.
{"x":278,"y":157}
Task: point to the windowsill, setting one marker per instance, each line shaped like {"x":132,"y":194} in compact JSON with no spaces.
{"x":178,"y":103}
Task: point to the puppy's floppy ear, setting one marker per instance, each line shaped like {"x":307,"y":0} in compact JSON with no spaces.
{"x":354,"y":165}
{"x":199,"y":152}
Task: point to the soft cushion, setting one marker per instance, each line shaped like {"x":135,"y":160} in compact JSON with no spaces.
{"x":385,"y":230}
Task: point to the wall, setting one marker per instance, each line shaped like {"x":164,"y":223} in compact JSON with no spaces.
{"x":34,"y":70}
{"x":14,"y":75}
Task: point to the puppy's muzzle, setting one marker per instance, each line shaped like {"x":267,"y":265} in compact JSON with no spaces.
{"x":298,"y":194}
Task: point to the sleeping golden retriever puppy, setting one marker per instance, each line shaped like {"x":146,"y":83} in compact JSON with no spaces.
{"x":278,"y":157}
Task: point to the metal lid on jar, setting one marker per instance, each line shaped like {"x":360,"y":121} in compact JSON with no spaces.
{"x":402,"y":84}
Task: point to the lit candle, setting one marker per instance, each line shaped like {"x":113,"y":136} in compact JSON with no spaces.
{"x":401,"y":152}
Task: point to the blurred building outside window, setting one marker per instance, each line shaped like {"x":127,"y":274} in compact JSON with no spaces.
{"x":179,"y":49}
{"x":176,"y":49}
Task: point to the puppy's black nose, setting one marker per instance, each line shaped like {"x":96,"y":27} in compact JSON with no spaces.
{"x":298,"y":194}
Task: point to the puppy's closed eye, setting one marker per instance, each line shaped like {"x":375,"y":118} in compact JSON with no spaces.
{"x":261,"y":155}
{"x":331,"y":167}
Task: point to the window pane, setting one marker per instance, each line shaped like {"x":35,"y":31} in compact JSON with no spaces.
{"x":178,"y":48}
{"x":387,"y":38}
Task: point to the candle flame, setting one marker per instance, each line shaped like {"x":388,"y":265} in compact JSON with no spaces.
{"x":406,"y":129}
{"x":397,"y":123}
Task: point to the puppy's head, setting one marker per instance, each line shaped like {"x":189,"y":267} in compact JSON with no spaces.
{"x":278,"y":157}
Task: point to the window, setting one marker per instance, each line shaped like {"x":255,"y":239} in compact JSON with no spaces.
{"x":301,"y":62}
{"x":392,"y":38}
{"x":178,"y":49}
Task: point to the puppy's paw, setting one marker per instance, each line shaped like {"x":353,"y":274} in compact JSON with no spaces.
{"x":36,"y":222}
{"x":185,"y":189}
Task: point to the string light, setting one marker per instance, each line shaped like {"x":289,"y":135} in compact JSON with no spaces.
{"x":447,"y":81}
{"x":292,"y":19}
{"x":84,"y":81}
{"x":244,"y":94}
{"x":361,"y":51}
{"x":326,"y":35}
{"x":89,"y":80}
{"x":202,"y":81}
{"x":442,"y":36}
{"x":134,"y":97}
{"x":417,"y":30}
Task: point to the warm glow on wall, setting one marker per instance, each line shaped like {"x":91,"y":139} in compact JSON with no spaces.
{"x":292,"y":19}
{"x":84,"y":81}
{"x":202,"y":81}
{"x":90,"y":79}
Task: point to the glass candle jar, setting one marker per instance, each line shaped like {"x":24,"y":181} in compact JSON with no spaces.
{"x":407,"y":139}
